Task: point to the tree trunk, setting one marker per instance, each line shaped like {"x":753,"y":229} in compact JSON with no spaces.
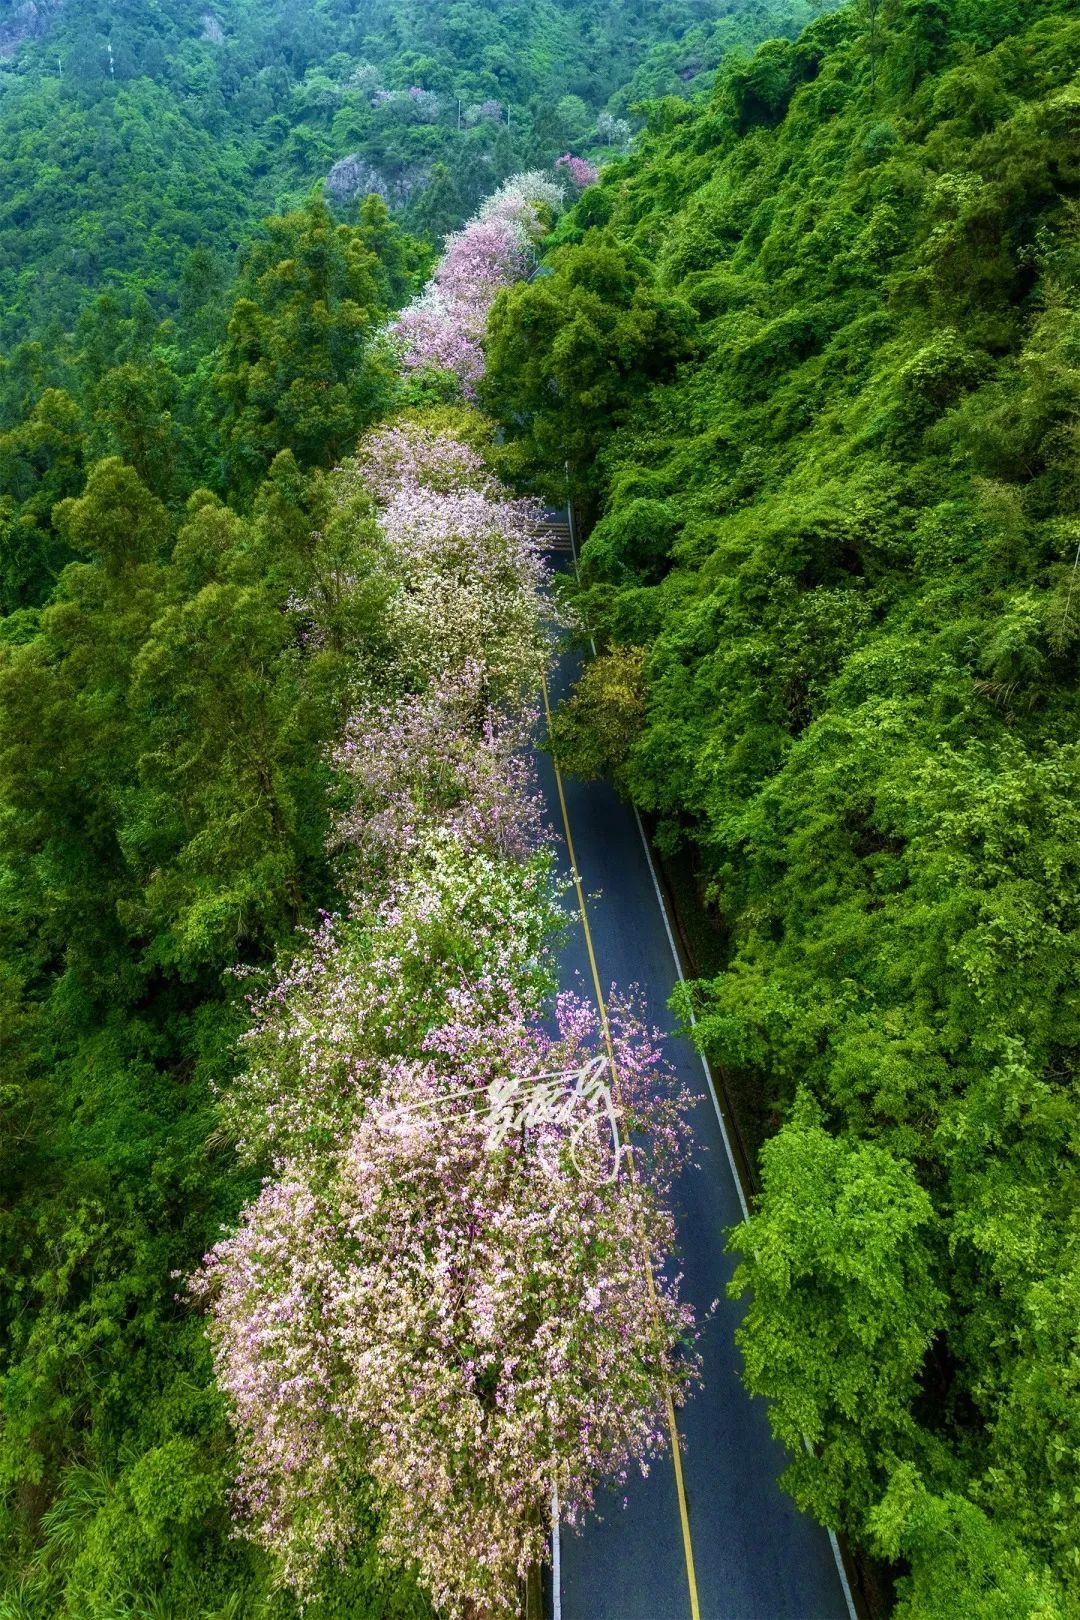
{"x":534,"y":1596}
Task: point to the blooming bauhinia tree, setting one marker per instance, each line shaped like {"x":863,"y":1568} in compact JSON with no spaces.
{"x":484,"y":112}
{"x":454,"y":1295}
{"x":457,"y":1319}
{"x":455,"y":562}
{"x":452,"y":907}
{"x":470,"y":573}
{"x":529,"y":201}
{"x":440,"y":758}
{"x":461,"y":938}
{"x":396,"y":458}
{"x":443,"y":329}
{"x":425,"y":104}
{"x":579,"y":170}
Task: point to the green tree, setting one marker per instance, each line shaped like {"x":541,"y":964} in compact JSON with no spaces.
{"x":570,"y":352}
{"x":960,"y":1561}
{"x":593,"y":729}
{"x":840,"y":1265}
{"x":402,"y":261}
{"x":67,"y":745}
{"x":438,"y":207}
{"x":41,"y":463}
{"x":297,"y":370}
{"x":133,"y":415}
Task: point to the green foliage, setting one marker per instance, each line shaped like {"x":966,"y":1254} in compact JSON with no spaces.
{"x":845,"y":525}
{"x":134,"y":136}
{"x":840,"y":1264}
{"x":576,"y":348}
{"x":960,"y":1561}
{"x":297,"y":370}
{"x":41,"y":463}
{"x":293,"y":368}
{"x":592,"y":732}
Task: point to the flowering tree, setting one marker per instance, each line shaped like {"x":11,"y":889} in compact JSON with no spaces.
{"x":364,"y":78}
{"x":441,"y":758}
{"x":444,"y":328}
{"x":394,"y":458}
{"x":484,"y":112}
{"x":420,"y":1316}
{"x":473,"y":1317}
{"x":613,"y":131}
{"x":528,"y":201}
{"x":423,"y":104}
{"x":452,"y":1296}
{"x":462,"y":939}
{"x":470,"y":575}
{"x":578,"y":170}
{"x":456,"y":563}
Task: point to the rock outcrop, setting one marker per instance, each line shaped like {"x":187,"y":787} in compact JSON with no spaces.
{"x":26,"y":19}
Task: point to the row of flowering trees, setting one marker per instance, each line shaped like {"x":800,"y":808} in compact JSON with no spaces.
{"x":444,"y":329}
{"x":446,"y":1303}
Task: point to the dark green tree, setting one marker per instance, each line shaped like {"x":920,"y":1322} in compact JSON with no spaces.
{"x":571,"y":352}
{"x":41,"y":463}
{"x":297,"y":370}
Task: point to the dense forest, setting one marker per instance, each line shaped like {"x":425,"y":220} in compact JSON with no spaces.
{"x":134,"y":135}
{"x":143,"y":145}
{"x":813,"y":354}
{"x":809,"y":353}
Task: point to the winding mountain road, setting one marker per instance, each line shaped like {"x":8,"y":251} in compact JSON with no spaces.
{"x":714,"y":1539}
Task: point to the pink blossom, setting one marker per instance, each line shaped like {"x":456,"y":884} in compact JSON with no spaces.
{"x":468,"y":561}
{"x":579,"y":170}
{"x":444,"y":328}
{"x":471,"y":1322}
{"x":418,"y":1319}
{"x":443,"y":758}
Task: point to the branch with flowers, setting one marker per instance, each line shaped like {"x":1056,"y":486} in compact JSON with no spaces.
{"x":443,"y":330}
{"x":439,"y":1329}
{"x":419,"y":1317}
{"x":578,"y":170}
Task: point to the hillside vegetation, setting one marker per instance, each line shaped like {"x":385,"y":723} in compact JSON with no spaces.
{"x":132,"y":135}
{"x":813,"y":353}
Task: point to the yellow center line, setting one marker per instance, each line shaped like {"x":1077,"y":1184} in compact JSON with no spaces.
{"x":676,"y":1456}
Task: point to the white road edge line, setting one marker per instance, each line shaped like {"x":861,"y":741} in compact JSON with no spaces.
{"x":682,"y":980}
{"x":662,"y":903}
{"x":842,"y":1572}
{"x":556,"y":1555}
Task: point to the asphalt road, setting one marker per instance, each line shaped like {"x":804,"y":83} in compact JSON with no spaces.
{"x":755,"y":1557}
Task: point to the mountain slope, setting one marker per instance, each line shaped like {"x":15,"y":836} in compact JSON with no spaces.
{"x":132,"y":134}
{"x":813,"y":354}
